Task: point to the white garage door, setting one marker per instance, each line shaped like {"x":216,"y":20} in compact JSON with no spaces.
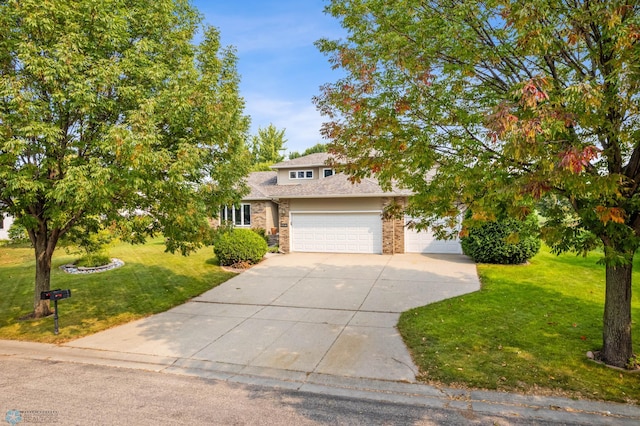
{"x":336,"y":232}
{"x":425,"y":242}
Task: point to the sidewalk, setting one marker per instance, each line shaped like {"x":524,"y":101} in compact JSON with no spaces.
{"x":536,"y":408}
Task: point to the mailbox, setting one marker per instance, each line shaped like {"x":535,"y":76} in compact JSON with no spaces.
{"x":56,"y":294}
{"x":60,"y":294}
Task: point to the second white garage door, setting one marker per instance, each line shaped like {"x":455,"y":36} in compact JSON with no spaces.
{"x":336,"y":232}
{"x":425,"y":242}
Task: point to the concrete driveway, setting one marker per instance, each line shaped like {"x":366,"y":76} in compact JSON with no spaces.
{"x":297,"y":314}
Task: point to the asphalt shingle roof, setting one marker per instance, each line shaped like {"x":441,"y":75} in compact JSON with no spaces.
{"x":318,"y":159}
{"x":264,"y":186}
{"x":259,"y":184}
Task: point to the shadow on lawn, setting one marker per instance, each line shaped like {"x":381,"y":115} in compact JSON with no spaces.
{"x":99,"y":301}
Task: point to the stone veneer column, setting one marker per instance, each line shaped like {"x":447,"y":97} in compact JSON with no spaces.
{"x":402,"y":201}
{"x":283,"y":225}
{"x":393,"y":229}
{"x":259,"y":214}
{"x":387,"y":230}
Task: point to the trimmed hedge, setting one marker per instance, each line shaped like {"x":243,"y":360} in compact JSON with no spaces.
{"x":507,"y":241}
{"x":238,"y":246}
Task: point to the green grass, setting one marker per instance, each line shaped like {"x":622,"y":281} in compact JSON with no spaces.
{"x":151,"y":281}
{"x":527,"y":330}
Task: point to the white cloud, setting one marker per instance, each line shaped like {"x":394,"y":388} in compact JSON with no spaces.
{"x":299,"y":117}
{"x":280,"y":68}
{"x":270,"y":33}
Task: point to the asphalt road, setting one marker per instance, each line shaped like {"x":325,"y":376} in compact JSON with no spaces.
{"x":46,"y":392}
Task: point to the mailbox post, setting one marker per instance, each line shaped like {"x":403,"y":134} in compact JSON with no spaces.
{"x":55,"y":295}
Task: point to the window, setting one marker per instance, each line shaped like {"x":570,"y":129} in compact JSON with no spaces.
{"x":238,"y":215}
{"x":301,"y":174}
{"x":246,"y":213}
{"x":328,"y":172}
{"x":1,"y":222}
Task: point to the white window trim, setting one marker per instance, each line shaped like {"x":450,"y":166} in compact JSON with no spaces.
{"x":304,"y":174}
{"x":232,"y":219}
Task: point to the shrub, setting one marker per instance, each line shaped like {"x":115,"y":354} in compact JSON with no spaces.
{"x":92,"y":260}
{"x":87,"y":240}
{"x":262,"y":232}
{"x":506,"y":241}
{"x":18,"y":233}
{"x":240,"y":245}
{"x":217,"y":232}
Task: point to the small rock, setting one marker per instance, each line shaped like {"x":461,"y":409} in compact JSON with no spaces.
{"x":590,"y":355}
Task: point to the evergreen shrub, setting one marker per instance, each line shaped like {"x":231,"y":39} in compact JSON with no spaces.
{"x":506,"y":241}
{"x":240,"y":246}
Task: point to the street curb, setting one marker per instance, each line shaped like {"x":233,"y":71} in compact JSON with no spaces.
{"x":552,"y":409}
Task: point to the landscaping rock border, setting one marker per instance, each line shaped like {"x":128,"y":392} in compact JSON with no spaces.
{"x":70,"y":268}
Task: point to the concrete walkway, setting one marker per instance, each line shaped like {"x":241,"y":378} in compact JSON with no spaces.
{"x":301,"y":313}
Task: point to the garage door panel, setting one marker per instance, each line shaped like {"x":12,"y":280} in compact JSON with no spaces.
{"x":425,"y":242}
{"x":336,"y":232}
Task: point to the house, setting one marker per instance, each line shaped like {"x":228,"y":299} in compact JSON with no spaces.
{"x":5,"y":223}
{"x":313,"y":209}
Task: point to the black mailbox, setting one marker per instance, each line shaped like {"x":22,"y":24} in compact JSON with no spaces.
{"x":45,"y":295}
{"x":56,"y":294}
{"x":60,"y":294}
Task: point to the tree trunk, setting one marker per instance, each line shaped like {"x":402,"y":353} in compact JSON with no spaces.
{"x":41,"y":308}
{"x":617,"y":348}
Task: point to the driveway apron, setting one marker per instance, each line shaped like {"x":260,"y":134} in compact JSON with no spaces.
{"x":300,"y":313}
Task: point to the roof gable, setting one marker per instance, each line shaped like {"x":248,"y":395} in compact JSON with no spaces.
{"x":264,"y":186}
{"x":311,"y":160}
{"x":259,"y":184}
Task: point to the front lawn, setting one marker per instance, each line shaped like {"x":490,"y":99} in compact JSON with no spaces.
{"x":151,"y":281}
{"x":527,"y":330}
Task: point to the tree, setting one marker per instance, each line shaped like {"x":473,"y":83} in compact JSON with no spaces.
{"x":109,"y":113}
{"x":267,"y":146}
{"x":319,"y":147}
{"x":494,"y":105}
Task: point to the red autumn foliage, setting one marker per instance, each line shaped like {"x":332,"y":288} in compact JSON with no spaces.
{"x":537,"y":189}
{"x":575,"y":160}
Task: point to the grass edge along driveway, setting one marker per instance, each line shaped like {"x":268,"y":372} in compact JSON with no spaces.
{"x":527,"y":330}
{"x":151,"y":281}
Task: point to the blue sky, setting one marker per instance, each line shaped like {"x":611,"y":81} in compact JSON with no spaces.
{"x":280,"y":68}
